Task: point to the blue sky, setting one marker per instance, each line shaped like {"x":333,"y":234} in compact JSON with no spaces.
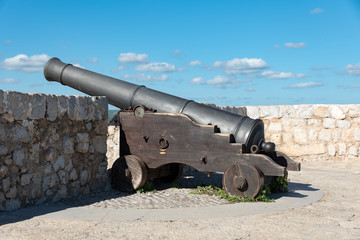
{"x":225,"y":52}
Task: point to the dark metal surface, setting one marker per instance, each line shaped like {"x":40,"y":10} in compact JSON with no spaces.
{"x":126,"y":95}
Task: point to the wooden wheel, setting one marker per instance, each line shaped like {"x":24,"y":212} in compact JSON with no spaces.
{"x":243,"y":179}
{"x":128,"y":173}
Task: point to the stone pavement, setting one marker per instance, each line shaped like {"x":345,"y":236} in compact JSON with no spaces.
{"x":175,"y":214}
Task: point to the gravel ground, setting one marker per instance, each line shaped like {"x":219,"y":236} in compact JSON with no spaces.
{"x":336,"y":216}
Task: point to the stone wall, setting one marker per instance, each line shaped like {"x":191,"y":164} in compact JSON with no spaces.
{"x":51,"y":147}
{"x":312,"y":132}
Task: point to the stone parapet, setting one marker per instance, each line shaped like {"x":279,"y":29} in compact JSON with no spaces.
{"x":329,"y":132}
{"x":51,"y":147}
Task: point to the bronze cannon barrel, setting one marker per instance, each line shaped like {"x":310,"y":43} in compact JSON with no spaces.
{"x":125,"y":95}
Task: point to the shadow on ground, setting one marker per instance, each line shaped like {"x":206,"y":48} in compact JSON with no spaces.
{"x":187,"y":180}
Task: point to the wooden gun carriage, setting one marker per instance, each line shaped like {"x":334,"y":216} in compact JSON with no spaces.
{"x":162,"y":132}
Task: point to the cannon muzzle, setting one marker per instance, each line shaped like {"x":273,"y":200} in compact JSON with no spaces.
{"x":124,"y":95}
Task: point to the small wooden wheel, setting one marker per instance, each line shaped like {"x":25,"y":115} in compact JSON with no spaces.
{"x":128,"y":173}
{"x":175,"y":171}
{"x":243,"y":179}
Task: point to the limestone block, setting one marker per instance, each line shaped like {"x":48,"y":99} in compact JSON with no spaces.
{"x":19,"y":156}
{"x":83,"y":108}
{"x":19,"y":133}
{"x":357,"y":134}
{"x":100,"y":127}
{"x":306,"y":111}
{"x":50,"y":181}
{"x":74,"y":188}
{"x":313,"y":134}
{"x":2,"y":132}
{"x":322,"y":111}
{"x":3,"y":150}
{"x":353,"y":151}
{"x":73,"y":108}
{"x":342,"y":149}
{"x":48,"y":170}
{"x":17,"y":104}
{"x":59,"y":164}
{"x":347,"y":135}
{"x":303,"y":150}
{"x":62,"y":107}
{"x":300,"y":135}
{"x":52,"y":107}
{"x":275,"y":138}
{"x":343,"y":124}
{"x":82,"y":138}
{"x":253,"y":111}
{"x":84,"y":177}
{"x":2,"y":101}
{"x":269,"y":112}
{"x":331,"y":150}
{"x":336,"y":112}
{"x":25,"y":179}
{"x":11,"y":193}
{"x":12,"y":204}
{"x":287,"y":138}
{"x":99,"y":143}
{"x":298,"y":122}
{"x":3,"y":171}
{"x":336,"y":134}
{"x":38,"y":105}
{"x":82,"y":147}
{"x":50,"y":154}
{"x":68,"y":145}
{"x":6,"y":184}
{"x":73,"y":175}
{"x":63,"y":177}
{"x":314,"y":122}
{"x":329,"y":123}
{"x":287,"y":111}
{"x":275,"y":127}
{"x":354,"y":111}
{"x":101,"y":110}
{"x":325,"y":135}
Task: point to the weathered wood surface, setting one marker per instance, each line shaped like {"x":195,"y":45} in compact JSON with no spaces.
{"x":243,"y":179}
{"x":128,"y":173}
{"x":162,"y":138}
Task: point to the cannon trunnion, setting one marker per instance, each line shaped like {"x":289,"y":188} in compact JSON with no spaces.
{"x":164,"y":132}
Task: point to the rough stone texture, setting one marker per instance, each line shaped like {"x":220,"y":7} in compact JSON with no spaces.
{"x":44,"y":147}
{"x":303,"y":131}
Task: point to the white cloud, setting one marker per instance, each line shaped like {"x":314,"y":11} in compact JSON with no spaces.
{"x":250,"y":89}
{"x":194,"y":63}
{"x":317,"y":11}
{"x":177,"y":51}
{"x":218,"y":81}
{"x":353,"y":69}
{"x":145,"y":78}
{"x":197,"y":80}
{"x":93,"y":60}
{"x":295,"y":45}
{"x":276,"y":75}
{"x":24,"y":63}
{"x":281,"y":75}
{"x":9,"y":80}
{"x":276,"y":46}
{"x":244,"y":65}
{"x":133,"y":58}
{"x":305,"y":85}
{"x":7,"y":41}
{"x":156,"y":67}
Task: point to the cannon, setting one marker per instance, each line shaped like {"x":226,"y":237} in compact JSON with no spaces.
{"x":160,"y":133}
